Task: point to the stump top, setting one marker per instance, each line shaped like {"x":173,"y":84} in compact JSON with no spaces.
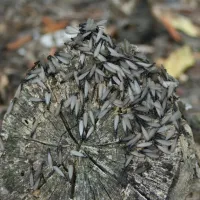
{"x":96,"y":121}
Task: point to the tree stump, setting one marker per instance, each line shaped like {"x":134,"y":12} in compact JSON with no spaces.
{"x":67,"y":135}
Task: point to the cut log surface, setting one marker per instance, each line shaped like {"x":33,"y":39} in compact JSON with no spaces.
{"x":61,"y":140}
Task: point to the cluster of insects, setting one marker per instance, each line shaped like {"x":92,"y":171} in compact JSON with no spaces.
{"x":110,"y":80}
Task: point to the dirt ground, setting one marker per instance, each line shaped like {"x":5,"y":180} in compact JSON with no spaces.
{"x":31,"y":29}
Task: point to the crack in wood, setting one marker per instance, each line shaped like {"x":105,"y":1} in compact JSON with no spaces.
{"x":90,"y":187}
{"x":73,"y":184}
{"x":99,"y":166}
{"x":136,"y":186}
{"x":68,"y":128}
{"x":41,"y":142}
{"x":105,"y":189}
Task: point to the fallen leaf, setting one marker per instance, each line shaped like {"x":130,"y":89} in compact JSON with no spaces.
{"x":184,"y":24}
{"x":172,"y":31}
{"x":51,"y":25}
{"x":174,"y":22}
{"x":178,"y":61}
{"x":18,"y":42}
{"x":55,"y":26}
{"x":47,"y":20}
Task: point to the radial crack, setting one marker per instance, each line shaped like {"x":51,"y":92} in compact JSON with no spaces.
{"x":67,"y":127}
{"x":100,"y":167}
{"x":73,"y":183}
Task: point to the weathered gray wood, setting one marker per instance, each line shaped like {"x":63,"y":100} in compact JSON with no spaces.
{"x":168,"y":177}
{"x":43,"y":155}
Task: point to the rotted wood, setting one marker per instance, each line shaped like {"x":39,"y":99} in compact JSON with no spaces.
{"x":59,"y":143}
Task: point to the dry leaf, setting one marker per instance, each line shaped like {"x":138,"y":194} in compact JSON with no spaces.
{"x":51,"y":25}
{"x":173,"y":21}
{"x":19,"y":42}
{"x":184,"y":24}
{"x":46,"y":20}
{"x":55,"y":26}
{"x":171,"y":30}
{"x":178,"y":61}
